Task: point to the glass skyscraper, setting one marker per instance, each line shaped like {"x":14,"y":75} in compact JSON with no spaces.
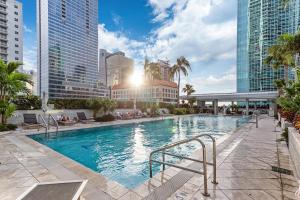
{"x":68,"y":49}
{"x":260,"y":23}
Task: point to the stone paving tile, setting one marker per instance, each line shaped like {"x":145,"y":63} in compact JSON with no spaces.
{"x":130,"y":196}
{"x":239,"y":194}
{"x":246,"y":170}
{"x":214,"y":195}
{"x":12,"y":193}
{"x":244,"y":162}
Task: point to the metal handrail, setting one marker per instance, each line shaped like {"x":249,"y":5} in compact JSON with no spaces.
{"x":256,"y":119}
{"x":214,"y":163}
{"x":163,"y":149}
{"x":44,"y":121}
{"x":55,"y":122}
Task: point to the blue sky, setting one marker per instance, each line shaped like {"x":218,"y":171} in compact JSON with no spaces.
{"x":204,"y":31}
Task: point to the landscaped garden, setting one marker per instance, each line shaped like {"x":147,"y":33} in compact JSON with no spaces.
{"x":286,"y":53}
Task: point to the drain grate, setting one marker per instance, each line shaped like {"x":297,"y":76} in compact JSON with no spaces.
{"x":282,"y":170}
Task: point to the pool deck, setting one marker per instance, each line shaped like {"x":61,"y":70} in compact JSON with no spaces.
{"x":245,"y":159}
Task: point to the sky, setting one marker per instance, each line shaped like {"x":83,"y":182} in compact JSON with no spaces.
{"x":203,"y":31}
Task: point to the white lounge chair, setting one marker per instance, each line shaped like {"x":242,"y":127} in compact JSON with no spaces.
{"x":68,"y":190}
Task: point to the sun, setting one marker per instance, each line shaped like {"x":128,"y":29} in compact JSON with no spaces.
{"x":136,"y":79}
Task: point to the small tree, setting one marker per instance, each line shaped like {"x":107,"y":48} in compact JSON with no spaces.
{"x":12,"y":83}
{"x":188,"y":89}
{"x":96,"y":105}
{"x":279,"y":55}
{"x":108,"y":105}
{"x":192,"y":101}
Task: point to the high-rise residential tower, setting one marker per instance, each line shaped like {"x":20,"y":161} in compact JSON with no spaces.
{"x":260,"y":23}
{"x":11,"y":30}
{"x":117,"y":67}
{"x":68,"y":49}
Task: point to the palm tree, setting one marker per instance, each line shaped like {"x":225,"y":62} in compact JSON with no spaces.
{"x":285,"y":3}
{"x":12,"y":83}
{"x":152,"y":70}
{"x":182,"y":66}
{"x":282,"y":54}
{"x":188,"y":89}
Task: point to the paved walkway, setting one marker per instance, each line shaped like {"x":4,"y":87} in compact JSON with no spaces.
{"x":245,"y":169}
{"x":245,"y":161}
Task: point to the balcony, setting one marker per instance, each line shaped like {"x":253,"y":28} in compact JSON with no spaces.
{"x":3,"y":52}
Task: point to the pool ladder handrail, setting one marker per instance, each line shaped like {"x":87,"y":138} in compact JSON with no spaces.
{"x":50,"y":117}
{"x":45,"y":125}
{"x":205,"y":163}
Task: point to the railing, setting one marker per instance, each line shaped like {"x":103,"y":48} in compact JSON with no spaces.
{"x":50,"y":117}
{"x":44,"y":122}
{"x":256,"y":114}
{"x":204,"y":162}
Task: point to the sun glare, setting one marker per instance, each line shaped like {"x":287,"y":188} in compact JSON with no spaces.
{"x":136,"y":79}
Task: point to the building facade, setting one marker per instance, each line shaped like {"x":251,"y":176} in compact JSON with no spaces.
{"x":11,"y":31}
{"x":33,"y":76}
{"x":116,"y":66}
{"x":164,"y":68}
{"x":67,"y":33}
{"x":260,"y":23}
{"x":156,"y":91}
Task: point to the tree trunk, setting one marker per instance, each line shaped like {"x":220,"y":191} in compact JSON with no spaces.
{"x":178,"y":96}
{"x":286,"y":74}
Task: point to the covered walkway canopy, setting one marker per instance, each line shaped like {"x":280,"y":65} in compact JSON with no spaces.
{"x":232,"y":97}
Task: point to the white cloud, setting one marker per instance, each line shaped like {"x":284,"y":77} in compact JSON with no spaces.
{"x":27,"y":29}
{"x":187,"y":34}
{"x":29,"y":58}
{"x":222,"y":82}
{"x":116,"y":19}
{"x":163,"y":9}
{"x":196,"y":29}
{"x":117,"y":41}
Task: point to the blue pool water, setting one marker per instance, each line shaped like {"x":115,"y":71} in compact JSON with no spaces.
{"x":121,"y":152}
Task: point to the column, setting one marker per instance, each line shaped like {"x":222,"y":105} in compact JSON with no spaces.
{"x":201,"y":104}
{"x":215,"y":106}
{"x":247,"y":106}
{"x":273,"y":109}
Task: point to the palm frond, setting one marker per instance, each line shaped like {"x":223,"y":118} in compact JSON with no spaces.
{"x":13,"y":66}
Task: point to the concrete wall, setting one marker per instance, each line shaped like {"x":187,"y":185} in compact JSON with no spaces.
{"x":294,"y":149}
{"x":18,"y":115}
{"x":285,"y":124}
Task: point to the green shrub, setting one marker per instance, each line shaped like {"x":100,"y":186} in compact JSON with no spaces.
{"x":29,"y":102}
{"x":125,"y":104}
{"x":171,"y":108}
{"x":154,"y":110}
{"x":7,"y":127}
{"x":181,"y":111}
{"x":285,"y":135}
{"x":105,"y":118}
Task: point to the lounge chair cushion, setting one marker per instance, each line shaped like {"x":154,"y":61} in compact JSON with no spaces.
{"x":81,"y":116}
{"x":54,"y":191}
{"x":30,"y":119}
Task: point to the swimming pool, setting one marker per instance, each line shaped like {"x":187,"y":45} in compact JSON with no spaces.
{"x":121,"y":152}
